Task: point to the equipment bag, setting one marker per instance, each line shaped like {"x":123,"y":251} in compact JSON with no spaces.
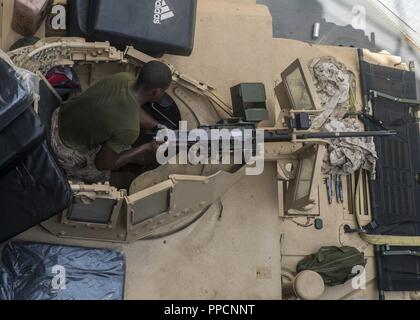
{"x":14,"y":95}
{"x":19,"y":138}
{"x":20,"y":129}
{"x":32,"y":186}
{"x":64,"y":80}
{"x":334,"y":264}
{"x":34,"y":190}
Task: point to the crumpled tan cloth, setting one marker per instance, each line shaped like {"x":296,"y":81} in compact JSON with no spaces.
{"x":78,"y":166}
{"x":347,"y":155}
{"x":333,"y":82}
{"x":335,"y":86}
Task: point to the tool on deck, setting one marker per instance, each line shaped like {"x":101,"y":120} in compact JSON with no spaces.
{"x":330,"y":191}
{"x":339,"y":189}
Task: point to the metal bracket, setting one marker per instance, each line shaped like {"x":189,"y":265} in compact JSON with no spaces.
{"x":400,"y":253}
{"x":376,"y":94}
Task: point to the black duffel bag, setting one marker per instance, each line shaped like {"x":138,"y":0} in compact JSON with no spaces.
{"x":32,"y":186}
{"x":32,"y":191}
{"x":20,"y":130}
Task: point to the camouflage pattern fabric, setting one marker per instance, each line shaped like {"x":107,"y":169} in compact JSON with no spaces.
{"x":78,"y":166}
{"x":333,"y":83}
{"x":347,"y":155}
{"x":335,"y":86}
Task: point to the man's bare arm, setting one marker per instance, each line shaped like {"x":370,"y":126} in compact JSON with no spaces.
{"x":108,"y":159}
{"x":147,"y":122}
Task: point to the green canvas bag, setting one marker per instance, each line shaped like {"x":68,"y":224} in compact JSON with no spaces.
{"x":334,"y":264}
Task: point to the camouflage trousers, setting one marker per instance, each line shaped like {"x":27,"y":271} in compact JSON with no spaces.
{"x":78,"y":165}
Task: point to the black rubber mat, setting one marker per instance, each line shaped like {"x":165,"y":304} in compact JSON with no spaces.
{"x":399,"y":272}
{"x":395,"y":193}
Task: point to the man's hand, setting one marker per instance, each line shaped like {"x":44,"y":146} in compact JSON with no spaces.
{"x":108,"y":159}
{"x":153,"y":146}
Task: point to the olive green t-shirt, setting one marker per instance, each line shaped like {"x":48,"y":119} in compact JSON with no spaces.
{"x":106,"y":113}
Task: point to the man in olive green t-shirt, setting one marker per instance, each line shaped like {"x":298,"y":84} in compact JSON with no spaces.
{"x":93,"y":133}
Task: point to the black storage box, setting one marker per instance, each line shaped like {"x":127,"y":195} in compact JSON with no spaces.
{"x":152,"y":26}
{"x":32,"y":187}
{"x":20,"y":130}
{"x":31,"y":192}
{"x":77,"y":18}
{"x":249,"y":102}
{"x":20,"y":137}
{"x":14,"y":98}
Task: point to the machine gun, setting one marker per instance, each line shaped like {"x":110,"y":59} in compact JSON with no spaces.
{"x":249,"y":108}
{"x":240,"y":133}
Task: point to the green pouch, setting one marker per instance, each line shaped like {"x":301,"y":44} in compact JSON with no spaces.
{"x":334,"y":264}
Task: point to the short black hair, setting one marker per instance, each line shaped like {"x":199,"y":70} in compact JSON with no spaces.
{"x":154,"y":75}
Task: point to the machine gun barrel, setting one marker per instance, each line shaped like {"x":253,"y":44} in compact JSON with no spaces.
{"x":237,"y":132}
{"x":282,"y":136}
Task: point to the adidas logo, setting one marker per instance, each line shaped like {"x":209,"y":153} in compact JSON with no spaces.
{"x":162,"y":12}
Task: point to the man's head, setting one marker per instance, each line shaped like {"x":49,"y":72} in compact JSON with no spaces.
{"x":154,"y":79}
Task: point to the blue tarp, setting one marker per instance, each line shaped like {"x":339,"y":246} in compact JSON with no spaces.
{"x":34,"y":271}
